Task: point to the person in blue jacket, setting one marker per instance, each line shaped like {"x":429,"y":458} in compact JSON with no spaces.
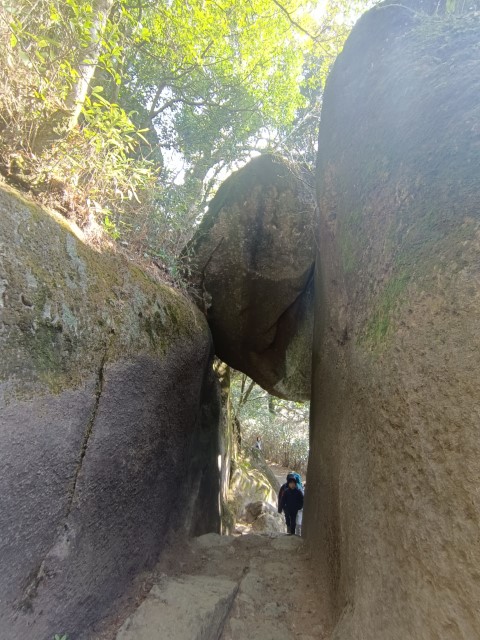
{"x":290,"y":501}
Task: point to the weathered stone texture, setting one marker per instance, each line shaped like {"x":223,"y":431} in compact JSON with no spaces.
{"x":108,"y":425}
{"x":185,"y":608}
{"x":251,"y":264}
{"x":393,"y":505}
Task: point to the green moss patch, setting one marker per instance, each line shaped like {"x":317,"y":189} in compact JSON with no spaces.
{"x":67,"y":306}
{"x":381,"y":320}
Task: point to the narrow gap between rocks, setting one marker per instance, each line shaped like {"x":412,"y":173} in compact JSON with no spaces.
{"x":255,"y":581}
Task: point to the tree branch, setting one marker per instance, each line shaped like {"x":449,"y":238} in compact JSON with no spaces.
{"x":292,"y":21}
{"x":244,"y":398}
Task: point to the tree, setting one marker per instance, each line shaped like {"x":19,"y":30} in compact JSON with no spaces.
{"x":107,"y":92}
{"x":283,"y":425}
{"x":92,"y":44}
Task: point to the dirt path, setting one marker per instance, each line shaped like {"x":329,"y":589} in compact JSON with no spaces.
{"x":279,"y":471}
{"x":251,"y":587}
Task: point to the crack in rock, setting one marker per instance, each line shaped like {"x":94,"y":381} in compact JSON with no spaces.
{"x":30,"y":592}
{"x":88,"y":434}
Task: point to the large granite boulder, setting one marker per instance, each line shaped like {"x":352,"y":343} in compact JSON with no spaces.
{"x":393,"y":509}
{"x":251,"y":266}
{"x":108,"y":425}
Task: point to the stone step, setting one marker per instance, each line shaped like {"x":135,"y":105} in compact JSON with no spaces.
{"x":183,"y":608}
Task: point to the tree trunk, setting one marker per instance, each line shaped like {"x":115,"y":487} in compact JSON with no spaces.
{"x":64,"y":120}
{"x":271,"y":405}
{"x":89,"y":60}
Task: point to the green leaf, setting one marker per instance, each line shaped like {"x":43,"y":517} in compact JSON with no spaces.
{"x":39,"y":56}
{"x":24,"y":58}
{"x":13,"y":40}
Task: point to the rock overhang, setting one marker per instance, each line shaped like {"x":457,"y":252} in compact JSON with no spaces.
{"x":251,"y":267}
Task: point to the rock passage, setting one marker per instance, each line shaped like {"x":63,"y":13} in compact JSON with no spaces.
{"x":251,"y":587}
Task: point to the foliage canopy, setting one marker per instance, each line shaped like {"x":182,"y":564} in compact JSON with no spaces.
{"x":283,"y":425}
{"x":125,"y":113}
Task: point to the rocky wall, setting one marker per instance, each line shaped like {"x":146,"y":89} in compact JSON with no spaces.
{"x":108,"y":425}
{"x":393,"y":506}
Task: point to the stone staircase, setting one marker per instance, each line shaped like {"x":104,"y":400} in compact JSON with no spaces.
{"x":251,"y":587}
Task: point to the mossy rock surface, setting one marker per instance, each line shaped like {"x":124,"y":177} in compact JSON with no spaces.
{"x":251,"y":481}
{"x":107,"y":401}
{"x":61,"y":300}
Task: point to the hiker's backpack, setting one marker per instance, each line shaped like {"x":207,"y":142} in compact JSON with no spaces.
{"x":299,"y":481}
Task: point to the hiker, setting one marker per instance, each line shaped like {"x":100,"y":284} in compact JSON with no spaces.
{"x":290,"y":501}
{"x":258,"y":444}
{"x":298,"y":480}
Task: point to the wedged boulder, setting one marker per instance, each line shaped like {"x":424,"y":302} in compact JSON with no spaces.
{"x":251,"y":266}
{"x":107,"y":401}
{"x":395,"y":452}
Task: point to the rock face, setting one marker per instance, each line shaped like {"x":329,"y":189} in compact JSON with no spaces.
{"x":393,"y":507}
{"x":249,"y":484}
{"x":107,"y":402}
{"x":251,"y":265}
{"x":252,"y":482}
